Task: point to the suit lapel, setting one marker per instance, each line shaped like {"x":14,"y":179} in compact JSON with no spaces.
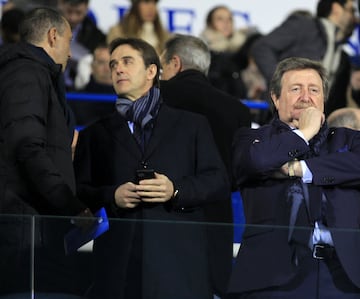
{"x":164,"y":126}
{"x":118,"y":127}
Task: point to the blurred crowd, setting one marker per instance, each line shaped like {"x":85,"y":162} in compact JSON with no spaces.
{"x":242,"y":61}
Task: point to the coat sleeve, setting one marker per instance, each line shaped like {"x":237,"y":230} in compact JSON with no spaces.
{"x":258,"y":153}
{"x":341,"y":166}
{"x":95,"y":195}
{"x":268,"y":49}
{"x":210,"y":181}
{"x":24,"y":116}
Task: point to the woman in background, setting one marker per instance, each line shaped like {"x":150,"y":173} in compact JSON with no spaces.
{"x":141,"y":21}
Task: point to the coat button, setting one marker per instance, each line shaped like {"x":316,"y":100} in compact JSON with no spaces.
{"x":293,"y":153}
{"x":328,"y":179}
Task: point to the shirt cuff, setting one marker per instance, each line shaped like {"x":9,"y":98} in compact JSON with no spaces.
{"x":301,"y":135}
{"x":307,"y":174}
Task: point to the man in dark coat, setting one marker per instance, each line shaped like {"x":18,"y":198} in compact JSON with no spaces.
{"x":297,"y":173}
{"x":167,"y":256}
{"x":36,"y":133}
{"x":185,"y":63}
{"x":318,"y":38}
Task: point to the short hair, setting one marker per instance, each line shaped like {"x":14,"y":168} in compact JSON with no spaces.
{"x":193,"y":52}
{"x":344,"y":117}
{"x":297,"y":63}
{"x":323,"y":9}
{"x":147,"y":52}
{"x":38,"y":22}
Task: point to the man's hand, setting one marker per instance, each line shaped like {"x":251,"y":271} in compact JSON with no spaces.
{"x":126,"y":196}
{"x":159,"y":189}
{"x":84,"y":220}
{"x":310,"y":122}
{"x":290,"y":169}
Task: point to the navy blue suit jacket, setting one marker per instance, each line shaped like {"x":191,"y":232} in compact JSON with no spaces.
{"x":265,"y":256}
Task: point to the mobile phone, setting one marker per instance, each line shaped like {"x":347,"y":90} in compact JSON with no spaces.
{"x":144,"y":174}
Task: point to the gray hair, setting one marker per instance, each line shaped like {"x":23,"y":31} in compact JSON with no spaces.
{"x":193,"y":52}
{"x":345,"y":117}
{"x":297,"y":63}
{"x":38,"y":22}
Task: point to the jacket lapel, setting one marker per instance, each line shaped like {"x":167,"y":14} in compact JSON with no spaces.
{"x":164,"y":126}
{"x":118,"y":128}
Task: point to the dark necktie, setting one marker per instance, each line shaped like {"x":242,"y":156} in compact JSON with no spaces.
{"x":139,"y":136}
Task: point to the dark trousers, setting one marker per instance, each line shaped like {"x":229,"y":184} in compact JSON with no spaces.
{"x":316,"y":279}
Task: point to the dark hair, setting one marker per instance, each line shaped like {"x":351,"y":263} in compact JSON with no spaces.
{"x":210,"y":15}
{"x":38,"y":22}
{"x":132,"y":23}
{"x":147,"y":51}
{"x":297,"y":63}
{"x":323,"y":9}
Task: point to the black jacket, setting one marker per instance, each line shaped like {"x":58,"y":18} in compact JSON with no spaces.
{"x":36,"y":172}
{"x":190,"y":90}
{"x":35,"y":152}
{"x":137,"y":256}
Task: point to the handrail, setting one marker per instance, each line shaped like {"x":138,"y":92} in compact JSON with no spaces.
{"x":92,"y":97}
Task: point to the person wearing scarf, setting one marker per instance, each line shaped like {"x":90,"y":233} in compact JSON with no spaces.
{"x":158,"y":233}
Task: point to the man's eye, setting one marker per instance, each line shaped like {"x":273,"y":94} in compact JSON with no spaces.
{"x":314,"y":91}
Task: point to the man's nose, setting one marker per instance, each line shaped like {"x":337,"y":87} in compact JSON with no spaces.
{"x":305,"y":95}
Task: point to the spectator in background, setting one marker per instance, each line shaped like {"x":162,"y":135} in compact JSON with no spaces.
{"x":93,"y":73}
{"x":319,"y":38}
{"x":220,"y":34}
{"x":86,"y":35}
{"x":142,"y":20}
{"x":37,"y":173}
{"x":253,"y":81}
{"x":345,"y":117}
{"x":10,"y":21}
{"x":185,"y":63}
{"x":99,"y":82}
{"x":225,"y":42}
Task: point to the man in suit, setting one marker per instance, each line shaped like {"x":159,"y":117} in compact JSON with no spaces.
{"x":297,"y":173}
{"x":142,"y":259}
{"x":318,"y":38}
{"x":37,"y":175}
{"x":185,"y":64}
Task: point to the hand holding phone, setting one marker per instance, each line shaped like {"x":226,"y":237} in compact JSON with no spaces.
{"x":145,"y":174}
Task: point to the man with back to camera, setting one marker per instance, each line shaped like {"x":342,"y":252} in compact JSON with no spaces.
{"x":185,"y":64}
{"x":36,"y":133}
{"x":167,"y":256}
{"x":297,"y":173}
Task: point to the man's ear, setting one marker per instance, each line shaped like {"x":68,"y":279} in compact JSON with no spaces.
{"x":275,"y":101}
{"x":176,"y":61}
{"x":152,"y":71}
{"x":52,"y":36}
